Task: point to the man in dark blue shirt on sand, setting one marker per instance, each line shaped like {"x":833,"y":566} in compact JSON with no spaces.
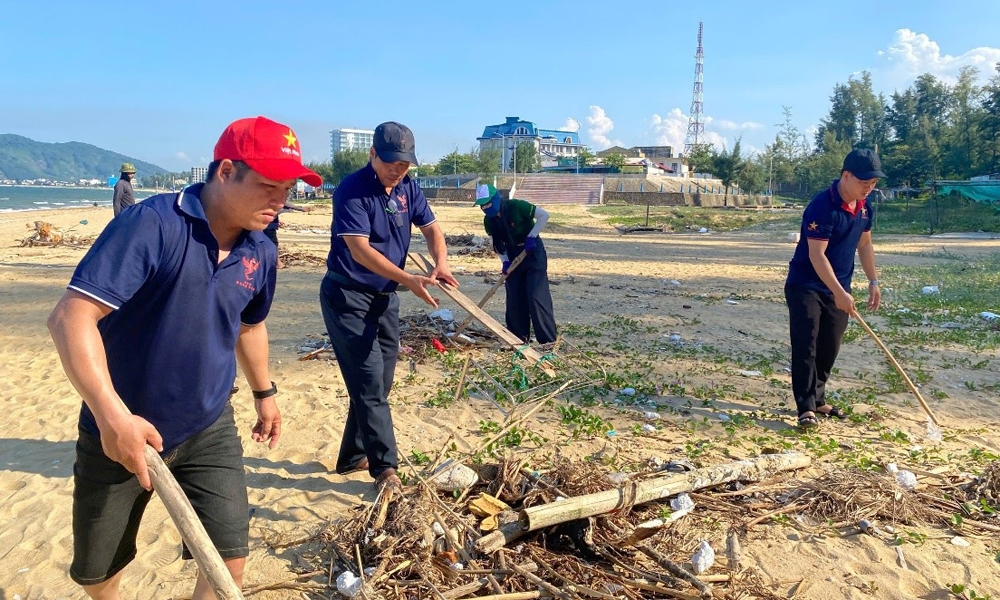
{"x":373,"y":210}
{"x":836,"y":223}
{"x":171,"y":295}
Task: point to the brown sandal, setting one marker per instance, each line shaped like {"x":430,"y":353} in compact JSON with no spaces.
{"x":388,"y":479}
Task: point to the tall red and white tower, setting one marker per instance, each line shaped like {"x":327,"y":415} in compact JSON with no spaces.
{"x":696,"y":124}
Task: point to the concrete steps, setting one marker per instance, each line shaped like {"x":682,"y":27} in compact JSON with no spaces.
{"x":545,"y":188}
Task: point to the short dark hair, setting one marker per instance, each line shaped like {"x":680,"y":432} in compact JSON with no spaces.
{"x":241,"y":169}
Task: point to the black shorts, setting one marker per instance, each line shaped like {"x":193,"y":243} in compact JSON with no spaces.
{"x":108,"y":501}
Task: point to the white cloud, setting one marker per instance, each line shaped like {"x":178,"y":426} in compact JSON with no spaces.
{"x":727,"y":125}
{"x":912,"y":54}
{"x":181,"y":155}
{"x":671,"y":130}
{"x":600,"y":128}
{"x":571,"y":124}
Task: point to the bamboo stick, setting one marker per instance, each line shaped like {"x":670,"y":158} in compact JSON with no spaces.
{"x":899,"y":369}
{"x":589,"y":505}
{"x":461,"y":378}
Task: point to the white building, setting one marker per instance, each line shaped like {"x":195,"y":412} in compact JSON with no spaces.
{"x":198,"y":174}
{"x":350,"y":139}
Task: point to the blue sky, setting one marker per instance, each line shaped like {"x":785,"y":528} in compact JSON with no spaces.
{"x":160,"y":80}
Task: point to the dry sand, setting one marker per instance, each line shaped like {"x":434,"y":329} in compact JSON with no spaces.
{"x":600,"y":274}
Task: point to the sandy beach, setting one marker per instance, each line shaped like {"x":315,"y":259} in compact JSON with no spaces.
{"x":668,"y":285}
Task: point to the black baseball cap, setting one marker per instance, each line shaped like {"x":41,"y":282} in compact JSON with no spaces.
{"x":393,"y":142}
{"x":863,"y":164}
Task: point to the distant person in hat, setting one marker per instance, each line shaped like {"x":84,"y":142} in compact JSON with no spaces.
{"x":123,"y":197}
{"x":374,"y":209}
{"x":170,"y":297}
{"x":515,"y":226}
{"x":836,"y":223}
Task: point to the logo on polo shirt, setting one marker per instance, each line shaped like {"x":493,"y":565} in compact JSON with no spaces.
{"x":813,"y":226}
{"x":402,"y":202}
{"x":249,"y":267}
{"x":864,"y":212}
{"x":293,"y":144}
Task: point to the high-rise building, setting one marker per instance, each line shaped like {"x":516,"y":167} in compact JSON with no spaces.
{"x":350,"y":139}
{"x":198,"y":174}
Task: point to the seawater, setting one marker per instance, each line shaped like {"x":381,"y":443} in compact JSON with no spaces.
{"x":18,"y":197}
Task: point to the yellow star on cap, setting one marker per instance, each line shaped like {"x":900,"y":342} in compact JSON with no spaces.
{"x":813,"y":226}
{"x":290,"y":138}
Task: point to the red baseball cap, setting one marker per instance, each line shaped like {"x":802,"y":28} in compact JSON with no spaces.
{"x":268,"y":147}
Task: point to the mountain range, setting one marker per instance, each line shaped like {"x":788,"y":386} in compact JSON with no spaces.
{"x":24,"y":158}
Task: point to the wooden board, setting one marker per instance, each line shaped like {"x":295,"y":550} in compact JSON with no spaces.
{"x":480,"y":315}
{"x":496,"y":286}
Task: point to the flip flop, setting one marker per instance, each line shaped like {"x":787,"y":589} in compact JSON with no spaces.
{"x":834,"y":412}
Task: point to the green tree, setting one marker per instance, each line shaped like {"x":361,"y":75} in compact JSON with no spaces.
{"x":488,"y":161}
{"x":701,"y":159}
{"x":455,"y":163}
{"x":586,"y":157}
{"x":728,"y":166}
{"x":528,"y":160}
{"x":346,"y":162}
{"x":753,"y":179}
{"x":961,"y":156}
{"x":823,"y":166}
{"x":990,"y":138}
{"x":615,"y":161}
{"x":324,"y":170}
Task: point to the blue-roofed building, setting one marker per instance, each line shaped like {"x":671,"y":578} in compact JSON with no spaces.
{"x":551,"y":144}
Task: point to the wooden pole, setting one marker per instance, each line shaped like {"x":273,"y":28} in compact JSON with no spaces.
{"x":496,"y":286}
{"x":899,"y":369}
{"x":580,"y":507}
{"x":192,"y":531}
{"x":483,"y":317}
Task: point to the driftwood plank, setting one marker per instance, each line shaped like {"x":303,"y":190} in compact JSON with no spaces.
{"x":480,"y":315}
{"x":496,"y":286}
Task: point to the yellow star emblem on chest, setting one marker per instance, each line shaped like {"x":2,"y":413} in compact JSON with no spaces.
{"x":290,"y":138}
{"x":813,"y":226}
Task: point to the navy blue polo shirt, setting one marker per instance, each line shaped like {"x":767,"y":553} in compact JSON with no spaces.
{"x":362,"y":208}
{"x":827,"y":217}
{"x":171,"y":335}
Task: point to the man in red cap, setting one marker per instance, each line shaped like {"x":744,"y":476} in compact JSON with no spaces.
{"x":171,"y":295}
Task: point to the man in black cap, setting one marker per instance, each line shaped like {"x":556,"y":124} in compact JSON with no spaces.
{"x":373,"y":210}
{"x":836,"y":223}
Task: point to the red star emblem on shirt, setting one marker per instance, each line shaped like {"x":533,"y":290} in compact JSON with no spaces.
{"x":813,"y":226}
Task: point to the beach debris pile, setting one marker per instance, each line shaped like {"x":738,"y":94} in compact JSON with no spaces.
{"x":300,"y":259}
{"x":47,"y":234}
{"x":487,"y":526}
{"x":471,"y":245}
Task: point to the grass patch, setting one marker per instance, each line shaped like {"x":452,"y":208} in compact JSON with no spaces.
{"x":935,"y":214}
{"x":687,"y":218}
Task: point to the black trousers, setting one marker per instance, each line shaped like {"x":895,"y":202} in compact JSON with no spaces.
{"x":816,"y":328}
{"x":529,"y":302}
{"x":364,"y":332}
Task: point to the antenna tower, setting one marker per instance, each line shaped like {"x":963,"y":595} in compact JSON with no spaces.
{"x":696,"y":125}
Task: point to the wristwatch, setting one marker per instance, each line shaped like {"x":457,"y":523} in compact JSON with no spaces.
{"x":273,"y":390}
{"x":872,"y":282}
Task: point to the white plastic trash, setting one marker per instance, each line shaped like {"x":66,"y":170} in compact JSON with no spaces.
{"x":444,"y":314}
{"x":929,"y":289}
{"x":794,"y":237}
{"x":934,"y":433}
{"x":348,"y":584}
{"x":960,"y":541}
{"x":989,"y":316}
{"x":731,"y":301}
{"x":906,"y":480}
{"x":651,"y":415}
{"x":702,"y":559}
{"x":703,"y":230}
{"x":649,"y":428}
{"x":627,"y":391}
{"x":750,"y":373}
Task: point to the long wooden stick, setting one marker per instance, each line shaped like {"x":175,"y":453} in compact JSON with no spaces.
{"x":192,"y":531}
{"x":589,"y":505}
{"x":899,"y":369}
{"x":496,"y":286}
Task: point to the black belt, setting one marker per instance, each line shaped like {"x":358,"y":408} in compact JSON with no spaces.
{"x":352,"y":285}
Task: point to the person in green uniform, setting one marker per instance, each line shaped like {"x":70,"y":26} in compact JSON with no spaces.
{"x":515,"y":226}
